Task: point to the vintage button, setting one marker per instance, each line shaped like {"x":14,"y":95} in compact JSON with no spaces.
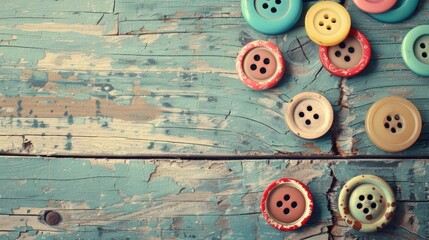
{"x":374,"y":6}
{"x":393,"y":124}
{"x":415,"y":50}
{"x":402,"y":10}
{"x":260,"y":65}
{"x":348,"y":58}
{"x":309,"y":115}
{"x":287,"y":204}
{"x":327,"y":23}
{"x":271,"y":17}
{"x":366,"y":203}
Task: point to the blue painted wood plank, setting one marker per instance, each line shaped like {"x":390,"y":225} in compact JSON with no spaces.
{"x":106,"y":198}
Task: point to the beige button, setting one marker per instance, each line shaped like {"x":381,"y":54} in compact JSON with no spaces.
{"x":309,"y":115}
{"x":260,"y":64}
{"x":393,"y":124}
{"x":347,"y":54}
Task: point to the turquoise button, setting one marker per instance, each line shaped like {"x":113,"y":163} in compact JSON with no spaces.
{"x":402,"y":10}
{"x":415,"y":50}
{"x":271,"y":16}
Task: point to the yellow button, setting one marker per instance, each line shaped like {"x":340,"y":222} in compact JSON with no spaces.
{"x":327,"y":23}
{"x":393,"y":124}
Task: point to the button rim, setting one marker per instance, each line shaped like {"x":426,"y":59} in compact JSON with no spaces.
{"x":369,"y":128}
{"x":398,"y":14}
{"x":407,"y":50}
{"x":363,"y":63}
{"x":275,"y":78}
{"x":373,"y":7}
{"x":327,"y":41}
{"x":271,"y":27}
{"x":292,"y":105}
{"x":307,"y":212}
{"x":343,"y":200}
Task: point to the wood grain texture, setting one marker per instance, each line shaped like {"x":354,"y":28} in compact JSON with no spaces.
{"x":179,"y":199}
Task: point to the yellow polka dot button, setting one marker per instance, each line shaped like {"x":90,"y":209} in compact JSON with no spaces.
{"x":327,"y":23}
{"x":393,"y":124}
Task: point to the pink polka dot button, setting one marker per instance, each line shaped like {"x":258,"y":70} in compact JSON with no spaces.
{"x":375,"y":6}
{"x":287,"y":204}
{"x":260,"y":65}
{"x":348,"y":58}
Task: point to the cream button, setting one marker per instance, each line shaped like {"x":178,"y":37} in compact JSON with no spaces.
{"x":366,"y":203}
{"x":309,"y":115}
{"x":393,"y":124}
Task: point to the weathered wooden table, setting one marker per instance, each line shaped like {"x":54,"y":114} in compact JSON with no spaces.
{"x":127,"y":118}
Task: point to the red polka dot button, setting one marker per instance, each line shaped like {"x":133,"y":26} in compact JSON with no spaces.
{"x":374,"y":6}
{"x":287,"y":204}
{"x":348,"y":58}
{"x":260,"y":65}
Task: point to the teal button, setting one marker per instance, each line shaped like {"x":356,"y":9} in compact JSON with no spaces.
{"x":402,"y":10}
{"x":415,"y":50}
{"x":271,"y":16}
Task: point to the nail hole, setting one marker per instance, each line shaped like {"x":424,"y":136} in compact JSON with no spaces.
{"x":257,"y":57}
{"x":359,"y":205}
{"x":338,"y":54}
{"x":301,"y":114}
{"x":399,"y":125}
{"x":351,"y":49}
{"x":333,"y":20}
{"x":370,"y":197}
{"x":326,"y":16}
{"x":286,"y":197}
{"x":361,"y":197}
{"x":328,"y":27}
{"x":308,"y":122}
{"x":273,"y":10}
{"x":253,"y":67}
{"x":267,"y":61}
{"x":397,"y":117}
{"x":365,"y":210}
{"x":286,"y":211}
{"x":316,"y":116}
{"x":309,"y":108}
{"x":424,"y":55}
{"x":422,"y":45}
{"x":52,"y":218}
{"x":321,"y":23}
{"x":265,"y":5}
{"x":294,"y":204}
{"x":389,"y":118}
{"x":393,"y":130}
{"x":342,"y":45}
{"x":278,"y":1}
{"x":373,"y":205}
{"x":347,"y":58}
{"x":279,"y":204}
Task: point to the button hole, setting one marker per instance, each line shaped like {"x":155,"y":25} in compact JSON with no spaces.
{"x":399,"y":125}
{"x":359,"y":205}
{"x":342,"y":45}
{"x":328,"y":27}
{"x":423,"y":45}
{"x":326,"y":16}
{"x":286,"y":197}
{"x":424,"y":55}
{"x":294,"y":204}
{"x":262,"y":70}
{"x":308,"y":122}
{"x":316,"y":116}
{"x":397,"y":117}
{"x":309,"y":108}
{"x":393,"y":130}
{"x":278,"y":1}
{"x":257,"y":57}
{"x":389,"y":118}
{"x":373,"y":205}
{"x":361,"y":197}
{"x":370,"y":197}
{"x":253,"y":67}
{"x":265,"y":5}
{"x":301,"y":114}
{"x":286,"y":211}
{"x":347,"y":58}
{"x":338,"y":54}
{"x":333,"y":20}
{"x":273,"y":10}
{"x":365,"y":210}
{"x":386,"y":125}
{"x":321,"y":23}
{"x":267,"y":61}
{"x":351,"y":49}
{"x":279,"y":204}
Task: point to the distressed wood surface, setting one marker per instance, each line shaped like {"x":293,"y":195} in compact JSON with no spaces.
{"x":179,"y":199}
{"x":116,"y":77}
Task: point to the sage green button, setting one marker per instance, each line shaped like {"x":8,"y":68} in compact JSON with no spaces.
{"x":366,"y":203}
{"x":415,"y":50}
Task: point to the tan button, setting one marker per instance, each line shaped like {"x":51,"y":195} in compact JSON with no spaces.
{"x":260,"y":64}
{"x":287,"y":204}
{"x":393,"y":124}
{"x":309,"y":115}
